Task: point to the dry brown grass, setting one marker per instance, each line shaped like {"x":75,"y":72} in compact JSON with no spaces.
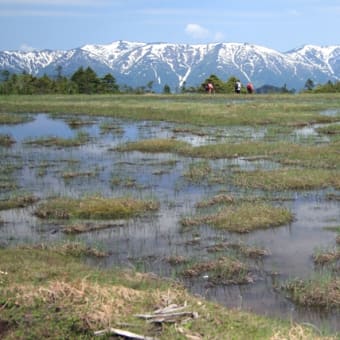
{"x":97,"y":305}
{"x":217,"y":199}
{"x":323,"y":292}
{"x":297,"y":332}
{"x":326,"y":257}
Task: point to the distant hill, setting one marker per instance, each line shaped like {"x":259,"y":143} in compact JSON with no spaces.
{"x":137,"y":64}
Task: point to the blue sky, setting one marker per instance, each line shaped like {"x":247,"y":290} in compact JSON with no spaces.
{"x":66,"y":24}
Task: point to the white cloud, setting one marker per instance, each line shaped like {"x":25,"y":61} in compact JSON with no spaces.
{"x":26,"y":48}
{"x":197,"y":31}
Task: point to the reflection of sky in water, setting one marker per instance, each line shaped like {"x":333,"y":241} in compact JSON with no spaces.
{"x":42,"y":126}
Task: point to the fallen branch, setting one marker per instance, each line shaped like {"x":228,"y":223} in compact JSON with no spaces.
{"x":120,"y":332}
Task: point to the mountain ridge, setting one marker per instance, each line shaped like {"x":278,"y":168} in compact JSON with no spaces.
{"x":136,"y":64}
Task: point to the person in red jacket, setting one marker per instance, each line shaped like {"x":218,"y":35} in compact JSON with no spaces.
{"x":250,"y":88}
{"x":209,"y":88}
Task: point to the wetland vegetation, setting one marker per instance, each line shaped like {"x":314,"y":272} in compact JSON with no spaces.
{"x":225,"y":198}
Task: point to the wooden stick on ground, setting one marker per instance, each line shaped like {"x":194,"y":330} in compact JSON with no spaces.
{"x":121,"y":332}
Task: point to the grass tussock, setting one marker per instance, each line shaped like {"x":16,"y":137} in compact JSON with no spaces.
{"x":94,"y":207}
{"x":154,"y":146}
{"x":74,"y":174}
{"x":6,"y":140}
{"x":326,"y":257}
{"x":84,"y":227}
{"x":323,"y":292}
{"x":224,"y":270}
{"x":198,"y":171}
{"x":243,"y":217}
{"x":19,"y":201}
{"x":80,"y":139}
{"x":217,"y":199}
{"x":239,"y":248}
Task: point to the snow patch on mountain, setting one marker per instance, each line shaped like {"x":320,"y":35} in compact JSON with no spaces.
{"x":138,"y":63}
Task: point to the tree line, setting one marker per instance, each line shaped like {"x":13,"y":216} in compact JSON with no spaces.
{"x":82,"y":81}
{"x":86,"y":81}
{"x":329,"y":87}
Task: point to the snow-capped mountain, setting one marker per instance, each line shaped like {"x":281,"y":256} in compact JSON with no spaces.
{"x":136,"y":64}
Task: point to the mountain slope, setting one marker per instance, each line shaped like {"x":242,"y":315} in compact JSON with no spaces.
{"x":136,"y":63}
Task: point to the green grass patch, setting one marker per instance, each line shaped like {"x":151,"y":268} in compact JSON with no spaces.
{"x":154,"y":146}
{"x":94,"y":207}
{"x":313,"y":156}
{"x":333,"y":129}
{"x":18,"y":201}
{"x":286,"y":179}
{"x":243,"y":217}
{"x":11,"y":118}
{"x":190,"y":109}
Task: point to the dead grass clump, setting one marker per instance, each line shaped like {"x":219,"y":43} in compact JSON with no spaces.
{"x":243,"y":249}
{"x":83,"y":227}
{"x":6,"y":140}
{"x":73,"y":174}
{"x":94,"y":207}
{"x":297,"y":332}
{"x":198,"y":171}
{"x":176,"y":260}
{"x":321,"y":292}
{"x":326,"y":257}
{"x":96,"y":305}
{"x":224,"y":270}
{"x":243,"y":218}
{"x":218,"y":199}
